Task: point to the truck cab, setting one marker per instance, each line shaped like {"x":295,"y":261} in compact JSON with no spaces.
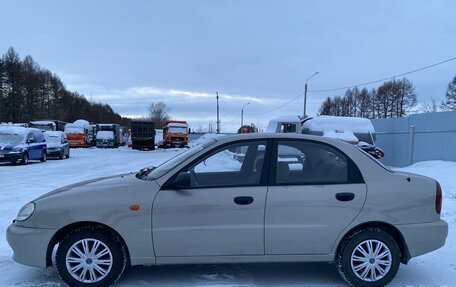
{"x":357,"y":131}
{"x":175,"y":134}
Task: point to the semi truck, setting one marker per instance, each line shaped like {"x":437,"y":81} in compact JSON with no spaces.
{"x":143,"y":134}
{"x":175,"y":134}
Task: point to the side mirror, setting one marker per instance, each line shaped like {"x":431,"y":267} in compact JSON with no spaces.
{"x":182,"y":180}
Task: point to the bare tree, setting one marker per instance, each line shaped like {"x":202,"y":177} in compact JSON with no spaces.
{"x":158,"y":112}
{"x":428,"y":107}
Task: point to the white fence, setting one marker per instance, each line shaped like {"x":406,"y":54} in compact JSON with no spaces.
{"x":429,"y":136}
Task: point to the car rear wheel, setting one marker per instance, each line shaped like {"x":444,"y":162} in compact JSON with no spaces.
{"x":89,"y":256}
{"x":369,"y":258}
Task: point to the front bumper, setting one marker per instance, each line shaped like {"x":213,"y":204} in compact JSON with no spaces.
{"x":29,"y":244}
{"x":423,"y":238}
{"x":10,"y":157}
{"x":55,"y":153}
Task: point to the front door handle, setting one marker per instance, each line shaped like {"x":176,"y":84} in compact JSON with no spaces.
{"x":243,"y":200}
{"x":345,"y":196}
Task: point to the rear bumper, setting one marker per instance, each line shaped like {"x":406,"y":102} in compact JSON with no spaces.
{"x":29,"y":244}
{"x":423,"y":238}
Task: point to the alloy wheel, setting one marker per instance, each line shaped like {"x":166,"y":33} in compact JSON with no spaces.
{"x":89,"y":260}
{"x":371,"y":260}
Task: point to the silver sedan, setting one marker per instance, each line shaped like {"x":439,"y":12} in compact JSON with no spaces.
{"x":244,"y":198}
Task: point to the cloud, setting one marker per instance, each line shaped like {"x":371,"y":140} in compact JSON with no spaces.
{"x":153,"y":91}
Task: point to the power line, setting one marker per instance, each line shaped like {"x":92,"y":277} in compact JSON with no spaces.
{"x":353,"y":86}
{"x":276,"y":108}
{"x":384,"y":79}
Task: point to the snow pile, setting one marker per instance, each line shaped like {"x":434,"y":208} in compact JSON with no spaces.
{"x":339,"y":124}
{"x":341,"y":128}
{"x":82,"y":123}
{"x":109,"y":135}
{"x":204,"y":138}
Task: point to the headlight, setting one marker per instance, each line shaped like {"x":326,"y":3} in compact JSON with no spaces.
{"x":26,"y":211}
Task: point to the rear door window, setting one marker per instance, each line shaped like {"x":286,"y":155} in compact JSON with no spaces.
{"x":302,"y":162}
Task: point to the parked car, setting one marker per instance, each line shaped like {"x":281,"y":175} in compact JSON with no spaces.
{"x":241,"y":198}
{"x":57,"y":144}
{"x":19,"y":145}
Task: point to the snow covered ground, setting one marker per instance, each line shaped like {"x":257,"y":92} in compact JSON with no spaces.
{"x":20,"y":184}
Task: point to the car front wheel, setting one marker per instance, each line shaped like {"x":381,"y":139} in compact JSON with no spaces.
{"x":24,"y":158}
{"x":43,"y":157}
{"x":89,"y":256}
{"x":369,"y":258}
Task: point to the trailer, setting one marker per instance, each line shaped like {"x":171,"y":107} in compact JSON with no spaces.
{"x":142,"y":134}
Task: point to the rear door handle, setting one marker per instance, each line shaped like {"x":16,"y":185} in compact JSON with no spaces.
{"x":243,"y":200}
{"x":345,"y":196}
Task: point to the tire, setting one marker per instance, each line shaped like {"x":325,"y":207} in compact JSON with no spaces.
{"x":43,"y":157}
{"x":349,"y":257}
{"x":24,"y":160}
{"x":62,"y":156}
{"x":110,"y":247}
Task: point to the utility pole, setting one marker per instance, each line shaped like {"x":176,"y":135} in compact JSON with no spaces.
{"x":305,"y":95}
{"x":218,"y":114}
{"x":242,"y":114}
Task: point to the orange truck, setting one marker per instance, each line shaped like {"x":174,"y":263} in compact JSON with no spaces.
{"x":175,"y":134}
{"x":79,"y":133}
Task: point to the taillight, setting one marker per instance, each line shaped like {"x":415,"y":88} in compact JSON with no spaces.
{"x":438,"y":197}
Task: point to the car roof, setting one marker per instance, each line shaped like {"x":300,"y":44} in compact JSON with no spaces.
{"x":234,"y":137}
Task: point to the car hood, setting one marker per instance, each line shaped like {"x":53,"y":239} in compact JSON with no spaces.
{"x":53,"y":145}
{"x":92,"y":185}
{"x":8,"y":146}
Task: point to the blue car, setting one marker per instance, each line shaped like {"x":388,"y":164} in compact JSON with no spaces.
{"x":19,"y":145}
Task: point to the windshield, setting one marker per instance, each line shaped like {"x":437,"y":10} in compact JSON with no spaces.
{"x":52,"y":139}
{"x":43,"y":127}
{"x":74,"y":130}
{"x":173,"y":162}
{"x":365,"y":137}
{"x":177,"y":130}
{"x":12,"y":139}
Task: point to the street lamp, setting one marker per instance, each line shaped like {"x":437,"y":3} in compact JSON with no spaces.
{"x":242,"y":114}
{"x":305,"y":94}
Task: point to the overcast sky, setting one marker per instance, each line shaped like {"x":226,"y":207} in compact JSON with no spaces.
{"x":131,"y":53}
